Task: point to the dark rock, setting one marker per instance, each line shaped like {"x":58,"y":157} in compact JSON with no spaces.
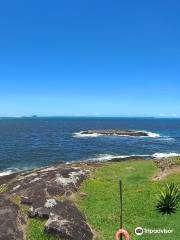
{"x":39,"y":189}
{"x":41,"y":212}
{"x":26,"y":201}
{"x":10,"y":224}
{"x":64,"y":220}
{"x":68,"y":223}
{"x":7,"y":178}
{"x":37,"y":194}
{"x":35,"y":187}
{"x":132,"y":158}
{"x":131,"y":133}
{"x":54,"y":190}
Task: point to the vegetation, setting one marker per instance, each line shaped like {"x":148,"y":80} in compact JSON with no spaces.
{"x":16,"y":199}
{"x":168,"y":199}
{"x":101,"y":200}
{"x":3,"y":188}
{"x":36,"y":230}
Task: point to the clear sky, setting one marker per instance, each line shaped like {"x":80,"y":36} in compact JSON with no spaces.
{"x":90,"y":57}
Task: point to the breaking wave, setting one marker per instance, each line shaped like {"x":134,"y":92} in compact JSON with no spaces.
{"x":152,"y":135}
{"x":11,"y":171}
{"x":4,"y":173}
{"x":109,"y":157}
{"x":104,"y":158}
{"x":82,"y":135}
{"x":165,"y":155}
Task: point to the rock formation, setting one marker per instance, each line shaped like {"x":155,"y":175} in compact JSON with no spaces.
{"x":131,"y":133}
{"x":41,"y":190}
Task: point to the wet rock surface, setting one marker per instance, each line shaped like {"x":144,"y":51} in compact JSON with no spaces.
{"x":41,"y":191}
{"x":116,"y":133}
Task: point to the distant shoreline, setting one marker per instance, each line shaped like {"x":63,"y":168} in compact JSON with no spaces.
{"x":154,"y":157}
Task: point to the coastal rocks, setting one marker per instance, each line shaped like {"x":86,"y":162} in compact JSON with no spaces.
{"x":132,"y":158}
{"x":34,"y":188}
{"x":166,"y":166}
{"x":68,"y":223}
{"x":50,"y":203}
{"x":131,"y":133}
{"x":40,"y":212}
{"x":26,"y":201}
{"x":10,"y":221}
{"x":64,"y":220}
{"x":41,"y":190}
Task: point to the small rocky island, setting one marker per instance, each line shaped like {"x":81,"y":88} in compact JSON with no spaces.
{"x":131,"y":133}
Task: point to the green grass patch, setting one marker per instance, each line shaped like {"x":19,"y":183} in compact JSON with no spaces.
{"x":36,"y":231}
{"x":101,"y":205}
{"x":3,"y":188}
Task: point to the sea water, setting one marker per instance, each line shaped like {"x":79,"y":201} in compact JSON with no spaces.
{"x":27,"y":143}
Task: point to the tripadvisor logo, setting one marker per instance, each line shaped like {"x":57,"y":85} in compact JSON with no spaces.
{"x":139,"y":231}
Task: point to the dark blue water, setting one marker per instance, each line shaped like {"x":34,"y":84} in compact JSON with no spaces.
{"x":34,"y":142}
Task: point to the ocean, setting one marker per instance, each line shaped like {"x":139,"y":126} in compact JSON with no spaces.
{"x":27,"y":143}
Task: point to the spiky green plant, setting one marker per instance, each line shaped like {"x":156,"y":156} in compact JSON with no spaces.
{"x":168,"y":199}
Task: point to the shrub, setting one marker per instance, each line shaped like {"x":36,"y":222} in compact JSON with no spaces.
{"x":168,"y":199}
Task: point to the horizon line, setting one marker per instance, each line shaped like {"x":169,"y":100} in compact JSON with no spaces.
{"x":89,"y":116}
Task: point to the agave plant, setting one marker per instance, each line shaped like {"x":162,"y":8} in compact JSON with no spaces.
{"x":168,"y":199}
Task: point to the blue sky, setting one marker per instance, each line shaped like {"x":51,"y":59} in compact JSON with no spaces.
{"x":90,"y":57}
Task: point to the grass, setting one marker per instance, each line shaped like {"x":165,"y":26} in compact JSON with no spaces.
{"x":101,"y":204}
{"x":3,"y":188}
{"x":36,"y":230}
{"x":16,"y":199}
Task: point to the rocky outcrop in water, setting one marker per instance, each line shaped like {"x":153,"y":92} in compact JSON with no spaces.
{"x":131,"y":133}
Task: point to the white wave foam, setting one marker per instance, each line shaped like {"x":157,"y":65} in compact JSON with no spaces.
{"x":167,"y":139}
{"x":81,"y":135}
{"x":10,"y":171}
{"x":165,"y":155}
{"x":108,"y":157}
{"x":152,"y":135}
{"x":4,"y":173}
